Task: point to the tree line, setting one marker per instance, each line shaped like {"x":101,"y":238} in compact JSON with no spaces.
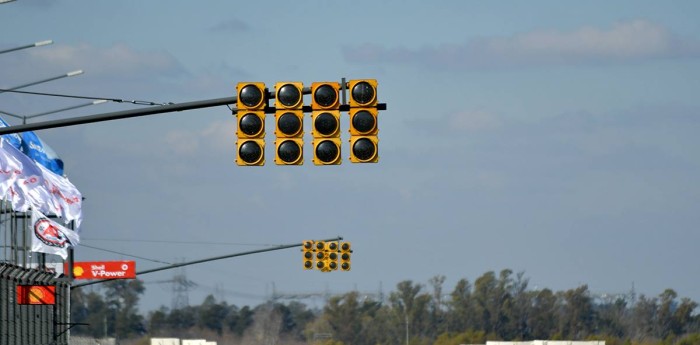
{"x":492,"y":307}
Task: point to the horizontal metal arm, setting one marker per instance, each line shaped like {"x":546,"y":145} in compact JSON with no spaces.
{"x":117,"y":115}
{"x":339,"y":238}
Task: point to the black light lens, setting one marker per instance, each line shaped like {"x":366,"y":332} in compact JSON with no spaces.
{"x":320,"y":256}
{"x":308,"y":255}
{"x":289,"y":151}
{"x":364,"y":149}
{"x":289,"y":124}
{"x":250,"y":96}
{"x":325,"y":95}
{"x":326,"y":124}
{"x":289,"y":95}
{"x":308,"y":264}
{"x":251,"y":124}
{"x":363,"y":92}
{"x":308,"y":245}
{"x":327,"y":151}
{"x":345,"y":246}
{"x":345,"y":256}
{"x":319,"y":246}
{"x":333,"y":256}
{"x":345,"y":266}
{"x":319,"y":264}
{"x":333,"y":265}
{"x":250,"y":152}
{"x":363,"y":121}
{"x":333,"y":246}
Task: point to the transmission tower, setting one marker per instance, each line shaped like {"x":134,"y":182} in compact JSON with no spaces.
{"x":181,"y":288}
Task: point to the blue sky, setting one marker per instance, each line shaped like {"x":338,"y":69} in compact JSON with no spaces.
{"x":555,"y":138}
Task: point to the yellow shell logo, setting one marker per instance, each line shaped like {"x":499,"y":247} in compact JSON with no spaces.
{"x":36,"y":295}
{"x":78,"y":271}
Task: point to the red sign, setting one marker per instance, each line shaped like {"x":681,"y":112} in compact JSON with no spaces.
{"x":103,"y":270}
{"x":36,"y":294}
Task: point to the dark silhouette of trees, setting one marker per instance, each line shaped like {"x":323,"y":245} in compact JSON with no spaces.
{"x":496,"y":307}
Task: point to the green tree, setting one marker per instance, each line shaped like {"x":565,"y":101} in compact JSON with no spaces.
{"x":437,"y":322}
{"x":664,"y":314}
{"x":239,"y":320}
{"x":410,"y":307}
{"x":469,"y":337}
{"x":611,"y":318}
{"x":643,"y":318}
{"x":501,"y":304}
{"x":300,"y":316}
{"x":91,"y":309}
{"x":182,"y":319}
{"x":158,"y":322}
{"x":212,"y":315}
{"x":122,"y":297}
{"x":485,"y":302}
{"x":577,"y":314}
{"x":510,"y":306}
{"x":461,"y":307}
{"x":683,"y":316}
{"x":344,"y":316}
{"x":542,"y":319}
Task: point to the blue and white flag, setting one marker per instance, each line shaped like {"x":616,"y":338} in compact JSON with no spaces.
{"x":31,"y":145}
{"x":41,"y":152}
{"x":13,"y":139}
{"x":33,"y":185}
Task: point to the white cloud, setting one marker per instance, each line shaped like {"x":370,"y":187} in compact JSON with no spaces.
{"x":458,"y":122}
{"x":217,"y":136}
{"x":233,"y":25}
{"x":634,"y":39}
{"x":116,"y":60}
{"x":473,"y":120}
{"x":624,"y":41}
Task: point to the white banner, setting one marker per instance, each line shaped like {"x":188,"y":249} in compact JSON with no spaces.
{"x":67,"y":199}
{"x":9,"y":166}
{"x":50,"y":237}
{"x":35,"y":186}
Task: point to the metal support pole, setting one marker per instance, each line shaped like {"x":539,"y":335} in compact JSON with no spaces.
{"x":69,"y":74}
{"x":117,"y":115}
{"x":37,"y":44}
{"x":286,"y":246}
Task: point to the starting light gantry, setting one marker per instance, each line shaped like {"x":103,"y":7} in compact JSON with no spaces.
{"x":326,"y":256}
{"x":327,"y":104}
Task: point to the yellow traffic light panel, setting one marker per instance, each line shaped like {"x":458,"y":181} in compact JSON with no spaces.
{"x":363,"y":121}
{"x":322,"y":261}
{"x":332,"y":255}
{"x":251,"y":138}
{"x":345,"y":252}
{"x":325,"y":123}
{"x":324,"y":95}
{"x":364,"y":149}
{"x":289,"y":95}
{"x":333,"y":261}
{"x":307,"y":249}
{"x":364,"y":129}
{"x":251,"y":96}
{"x":326,"y":134}
{"x":289,"y":123}
{"x":251,"y":103}
{"x":289,"y":151}
{"x":363,"y":93}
